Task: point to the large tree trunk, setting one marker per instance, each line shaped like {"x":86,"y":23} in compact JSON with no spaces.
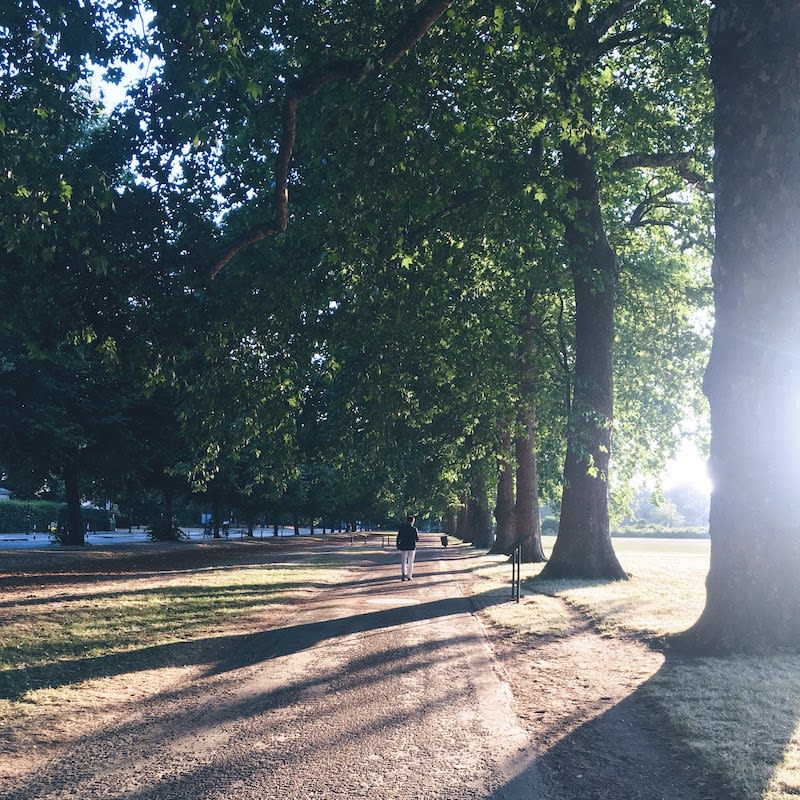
{"x":505,"y":531}
{"x":583,"y":547}
{"x":753,"y":377}
{"x":75,"y":529}
{"x":526,"y":511}
{"x":480,"y":516}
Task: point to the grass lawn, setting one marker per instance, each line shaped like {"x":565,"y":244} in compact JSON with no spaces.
{"x":739,"y":715}
{"x":70,"y":644}
{"x":59,"y":637}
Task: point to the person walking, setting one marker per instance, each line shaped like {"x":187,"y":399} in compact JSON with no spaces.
{"x":407,"y":538}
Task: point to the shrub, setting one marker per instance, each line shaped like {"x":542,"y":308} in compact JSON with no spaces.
{"x":550,"y":525}
{"x":163,"y":531}
{"x":22,"y":516}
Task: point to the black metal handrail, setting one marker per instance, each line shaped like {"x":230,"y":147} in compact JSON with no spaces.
{"x":516,"y":572}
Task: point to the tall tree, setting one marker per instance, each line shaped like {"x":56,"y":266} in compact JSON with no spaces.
{"x":753,"y":376}
{"x":595,"y":41}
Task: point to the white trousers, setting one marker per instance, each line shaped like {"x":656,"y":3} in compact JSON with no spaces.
{"x":407,"y":562}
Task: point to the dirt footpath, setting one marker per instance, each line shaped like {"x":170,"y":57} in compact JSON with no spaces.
{"x":379,"y":689}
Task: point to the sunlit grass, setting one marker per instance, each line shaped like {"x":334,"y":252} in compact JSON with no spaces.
{"x":57,"y":632}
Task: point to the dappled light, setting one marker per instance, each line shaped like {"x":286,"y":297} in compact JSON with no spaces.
{"x":295,"y":293}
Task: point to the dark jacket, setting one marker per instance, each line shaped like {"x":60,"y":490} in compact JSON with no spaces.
{"x":407,"y":537}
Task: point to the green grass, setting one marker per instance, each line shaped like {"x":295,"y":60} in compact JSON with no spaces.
{"x":738,"y":716}
{"x":57,"y":636}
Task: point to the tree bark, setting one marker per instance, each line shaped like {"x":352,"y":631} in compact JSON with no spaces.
{"x":753,"y":377}
{"x":505,"y":531}
{"x":463,"y":524}
{"x":526,"y":511}
{"x":75,"y":528}
{"x":583,"y":547}
{"x":481,"y":519}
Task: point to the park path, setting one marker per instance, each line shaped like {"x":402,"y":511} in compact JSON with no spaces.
{"x":372,"y":688}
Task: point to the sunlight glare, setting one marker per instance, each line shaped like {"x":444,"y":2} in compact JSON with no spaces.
{"x":688,"y":468}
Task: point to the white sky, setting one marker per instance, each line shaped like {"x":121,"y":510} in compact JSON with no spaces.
{"x":688,"y":467}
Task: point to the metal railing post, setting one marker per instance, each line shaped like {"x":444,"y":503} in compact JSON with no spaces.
{"x":516,"y":573}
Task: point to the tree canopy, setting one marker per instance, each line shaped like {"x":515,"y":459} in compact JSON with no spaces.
{"x":359,"y":260}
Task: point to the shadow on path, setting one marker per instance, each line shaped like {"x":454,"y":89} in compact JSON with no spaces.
{"x":238,"y":650}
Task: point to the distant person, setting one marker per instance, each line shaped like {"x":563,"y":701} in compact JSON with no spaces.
{"x":407,"y":538}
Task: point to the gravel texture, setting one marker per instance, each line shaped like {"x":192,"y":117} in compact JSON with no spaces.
{"x":371,"y":688}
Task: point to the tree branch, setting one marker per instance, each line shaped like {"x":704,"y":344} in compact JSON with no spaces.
{"x":306,"y":85}
{"x":653,"y":160}
{"x":678,"y":161}
{"x":610,"y":16}
{"x":652,"y":201}
{"x":643,"y":35}
{"x":460,"y":199}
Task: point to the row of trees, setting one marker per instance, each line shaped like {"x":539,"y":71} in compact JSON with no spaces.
{"x":491,"y":259}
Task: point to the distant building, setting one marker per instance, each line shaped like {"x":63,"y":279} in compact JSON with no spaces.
{"x":5,"y":494}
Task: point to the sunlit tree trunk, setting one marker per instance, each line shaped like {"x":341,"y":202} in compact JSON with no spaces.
{"x":504,"y":506}
{"x":583,"y":547}
{"x":526,"y":510}
{"x":753,"y":376}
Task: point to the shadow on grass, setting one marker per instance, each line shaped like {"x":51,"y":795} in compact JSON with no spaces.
{"x":221,"y":653}
{"x":699,"y":729}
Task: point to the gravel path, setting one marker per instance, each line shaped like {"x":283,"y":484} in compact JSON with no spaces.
{"x":373,"y":688}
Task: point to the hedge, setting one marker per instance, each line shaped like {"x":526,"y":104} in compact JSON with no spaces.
{"x":21,"y":516}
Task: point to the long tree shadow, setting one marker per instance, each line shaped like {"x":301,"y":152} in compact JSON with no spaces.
{"x":637,"y":751}
{"x":174,"y":591}
{"x":360,"y":674}
{"x":223,"y":653}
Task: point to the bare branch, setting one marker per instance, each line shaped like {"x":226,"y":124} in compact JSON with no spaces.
{"x":695,"y":179}
{"x":306,"y":85}
{"x":460,"y":200}
{"x":653,"y":160}
{"x":650,"y":202}
{"x":689,"y":240}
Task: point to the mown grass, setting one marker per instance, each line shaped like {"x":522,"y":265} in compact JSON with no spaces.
{"x":737,"y":716}
{"x":56,"y":636}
